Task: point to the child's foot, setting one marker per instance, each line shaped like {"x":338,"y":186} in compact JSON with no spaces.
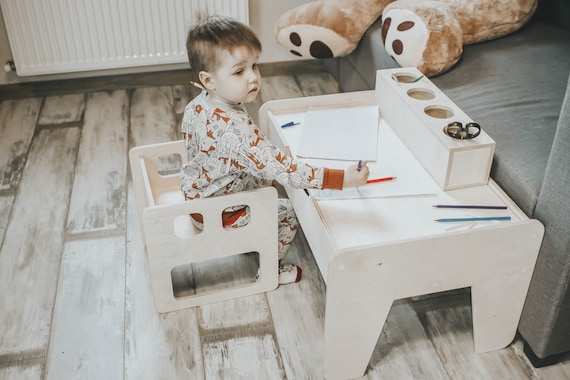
{"x":289,"y":273}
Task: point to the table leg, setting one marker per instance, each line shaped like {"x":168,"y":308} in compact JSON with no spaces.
{"x":362,"y":285}
{"x":353,"y":324}
{"x":496,"y":308}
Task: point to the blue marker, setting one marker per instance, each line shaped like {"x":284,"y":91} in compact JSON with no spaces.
{"x":359,"y":167}
{"x":289,"y":124}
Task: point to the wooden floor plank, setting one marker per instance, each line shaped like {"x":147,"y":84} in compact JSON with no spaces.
{"x":33,"y":243}
{"x":183,"y":94}
{"x":21,"y":372}
{"x":17,"y":125}
{"x":152,"y":116}
{"x":62,"y":109}
{"x":157,"y":346}
{"x":279,"y":87}
{"x":560,"y":370}
{"x":242,"y":358}
{"x":153,"y":120}
{"x":317,"y":84}
{"x":298,"y":316}
{"x":214,"y":274}
{"x":455,"y":346}
{"x":98,"y":201}
{"x":243,"y":313}
{"x":6,"y":202}
{"x":273,"y":88}
{"x":404,"y":351}
{"x":87,"y":331}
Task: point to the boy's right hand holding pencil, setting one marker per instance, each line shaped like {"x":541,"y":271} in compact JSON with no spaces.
{"x":356,"y":175}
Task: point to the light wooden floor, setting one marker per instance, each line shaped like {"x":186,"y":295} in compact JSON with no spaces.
{"x":75,"y":298}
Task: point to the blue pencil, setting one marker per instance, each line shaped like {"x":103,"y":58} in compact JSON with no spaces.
{"x":486,"y":218}
{"x":289,"y":124}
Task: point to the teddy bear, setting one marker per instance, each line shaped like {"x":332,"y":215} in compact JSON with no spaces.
{"x":427,"y":34}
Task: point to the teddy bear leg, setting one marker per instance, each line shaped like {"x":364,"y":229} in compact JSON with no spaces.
{"x":427,"y":36}
{"x":327,"y":28}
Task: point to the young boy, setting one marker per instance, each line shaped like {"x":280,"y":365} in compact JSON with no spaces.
{"x":226,"y":151}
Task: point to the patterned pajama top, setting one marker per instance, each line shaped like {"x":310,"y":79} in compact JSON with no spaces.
{"x":227,"y":153}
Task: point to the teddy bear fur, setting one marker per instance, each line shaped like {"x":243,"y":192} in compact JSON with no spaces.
{"x":427,"y":34}
{"x":327,"y":28}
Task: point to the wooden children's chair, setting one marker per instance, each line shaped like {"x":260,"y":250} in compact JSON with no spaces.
{"x":174,"y":245}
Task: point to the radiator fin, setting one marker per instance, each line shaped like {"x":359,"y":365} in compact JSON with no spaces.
{"x":61,"y":36}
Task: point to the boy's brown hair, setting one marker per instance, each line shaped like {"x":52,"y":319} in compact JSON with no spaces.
{"x":214,"y":34}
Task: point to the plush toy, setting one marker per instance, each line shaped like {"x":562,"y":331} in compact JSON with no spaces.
{"x":327,"y":28}
{"x":427,"y":34}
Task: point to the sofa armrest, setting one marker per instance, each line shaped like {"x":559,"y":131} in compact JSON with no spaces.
{"x":545,"y":322}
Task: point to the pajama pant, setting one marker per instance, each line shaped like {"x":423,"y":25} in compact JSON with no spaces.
{"x":287,"y":225}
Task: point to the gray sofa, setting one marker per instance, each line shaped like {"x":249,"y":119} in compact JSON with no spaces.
{"x":517,"y":88}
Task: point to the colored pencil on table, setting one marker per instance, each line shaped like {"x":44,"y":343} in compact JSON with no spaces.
{"x":472,"y":207}
{"x":289,"y":124}
{"x":481,"y":219}
{"x":375,"y":180}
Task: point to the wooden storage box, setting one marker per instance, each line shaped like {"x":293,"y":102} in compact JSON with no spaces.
{"x":418,"y":112}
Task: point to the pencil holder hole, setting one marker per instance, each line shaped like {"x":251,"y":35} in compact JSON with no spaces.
{"x":421,"y":94}
{"x":439,"y":112}
{"x":404,"y":77}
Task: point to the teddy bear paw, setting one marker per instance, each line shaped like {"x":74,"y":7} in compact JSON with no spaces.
{"x":405,"y":37}
{"x":313,"y":41}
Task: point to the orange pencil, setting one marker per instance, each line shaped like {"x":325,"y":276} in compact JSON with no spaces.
{"x":380,"y":179}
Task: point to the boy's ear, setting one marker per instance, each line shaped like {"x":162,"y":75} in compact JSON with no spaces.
{"x":207,"y":80}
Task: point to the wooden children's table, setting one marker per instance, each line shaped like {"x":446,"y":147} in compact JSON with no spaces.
{"x":374,"y":250}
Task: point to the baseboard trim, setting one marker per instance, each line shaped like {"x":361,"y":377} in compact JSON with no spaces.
{"x":136,"y":80}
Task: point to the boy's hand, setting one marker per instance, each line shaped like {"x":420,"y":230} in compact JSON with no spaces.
{"x":354,"y":177}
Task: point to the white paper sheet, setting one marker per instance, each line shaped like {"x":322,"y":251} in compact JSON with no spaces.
{"x":394,"y":160}
{"x":340,"y":133}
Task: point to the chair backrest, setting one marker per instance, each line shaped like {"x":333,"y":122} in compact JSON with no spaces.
{"x":152,"y":188}
{"x":172,"y":241}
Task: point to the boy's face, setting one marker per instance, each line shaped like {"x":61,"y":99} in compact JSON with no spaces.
{"x":236,"y":79}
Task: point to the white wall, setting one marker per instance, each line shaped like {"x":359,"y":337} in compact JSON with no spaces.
{"x":263,"y":15}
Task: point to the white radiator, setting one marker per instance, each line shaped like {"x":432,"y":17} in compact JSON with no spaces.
{"x":60,"y":36}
